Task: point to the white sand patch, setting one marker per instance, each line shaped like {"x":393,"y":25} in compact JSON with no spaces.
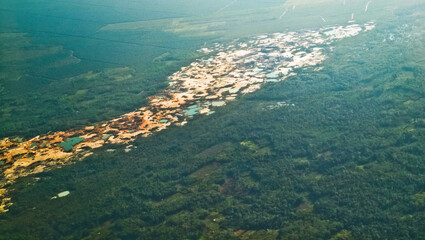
{"x":218,"y":103}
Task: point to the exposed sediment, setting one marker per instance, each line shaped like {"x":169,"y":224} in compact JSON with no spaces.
{"x":234,"y":69}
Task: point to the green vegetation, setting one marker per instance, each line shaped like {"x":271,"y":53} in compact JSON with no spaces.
{"x":106,"y":136}
{"x":346,"y":162}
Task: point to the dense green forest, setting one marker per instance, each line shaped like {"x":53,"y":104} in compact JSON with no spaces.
{"x":346,"y":161}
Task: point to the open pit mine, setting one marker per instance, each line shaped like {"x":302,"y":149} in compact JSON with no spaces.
{"x":226,"y":71}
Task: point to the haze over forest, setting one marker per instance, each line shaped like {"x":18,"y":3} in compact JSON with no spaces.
{"x":224,"y":119}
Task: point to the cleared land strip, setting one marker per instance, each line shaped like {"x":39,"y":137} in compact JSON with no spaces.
{"x":230,"y":70}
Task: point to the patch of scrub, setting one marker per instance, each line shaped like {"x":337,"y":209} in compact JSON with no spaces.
{"x":70,"y":143}
{"x":250,"y":145}
{"x":113,"y":74}
{"x":105,"y":136}
{"x":18,"y":139}
{"x":205,"y":171}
